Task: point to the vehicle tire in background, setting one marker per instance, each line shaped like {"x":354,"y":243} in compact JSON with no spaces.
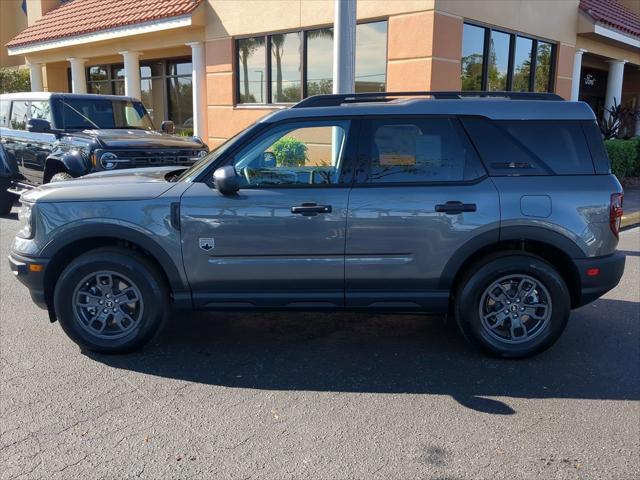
{"x":512,"y":305}
{"x":61,"y":177}
{"x":111,"y":300}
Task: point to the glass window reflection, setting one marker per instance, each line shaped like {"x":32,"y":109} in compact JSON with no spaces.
{"x":371,"y":57}
{"x":252,"y":70}
{"x":472,"y":57}
{"x":498,"y":61}
{"x":543,"y":67}
{"x":319,"y":61}
{"x":286,"y":67}
{"x":522,"y":64}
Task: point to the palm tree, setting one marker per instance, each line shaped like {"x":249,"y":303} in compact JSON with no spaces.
{"x":247,"y":47}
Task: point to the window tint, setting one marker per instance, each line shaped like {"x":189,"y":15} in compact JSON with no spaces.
{"x":19,"y":114}
{"x":416,"y":151}
{"x":319,"y":61}
{"x":531,"y":147}
{"x":544,"y":57}
{"x":294,"y":155}
{"x":560,"y":145}
{"x":522,"y":64}
{"x":599,"y":155}
{"x":371,"y":57}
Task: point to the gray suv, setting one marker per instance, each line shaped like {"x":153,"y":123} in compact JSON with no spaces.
{"x":499,"y":209}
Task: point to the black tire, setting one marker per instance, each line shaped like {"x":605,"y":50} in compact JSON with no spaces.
{"x":61,"y":177}
{"x":6,"y":199}
{"x":470,"y":299}
{"x":133,"y":267}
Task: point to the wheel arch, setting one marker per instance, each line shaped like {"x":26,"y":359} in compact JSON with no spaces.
{"x":55,"y":163}
{"x":547,"y":244}
{"x":85,"y":238}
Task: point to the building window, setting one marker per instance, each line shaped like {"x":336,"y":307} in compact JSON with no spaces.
{"x":165,"y":88}
{"x":286,"y":67}
{"x":494,"y":60}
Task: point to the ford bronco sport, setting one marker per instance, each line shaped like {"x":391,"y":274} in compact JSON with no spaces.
{"x":497,"y":208}
{"x":48,"y":137}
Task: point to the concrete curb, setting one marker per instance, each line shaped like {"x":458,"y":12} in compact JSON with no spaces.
{"x":630,"y":219}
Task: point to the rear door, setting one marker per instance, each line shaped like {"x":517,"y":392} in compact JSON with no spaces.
{"x":280,"y":241}
{"x":421,"y":194}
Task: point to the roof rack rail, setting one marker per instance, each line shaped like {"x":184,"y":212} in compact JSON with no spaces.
{"x":335,"y":100}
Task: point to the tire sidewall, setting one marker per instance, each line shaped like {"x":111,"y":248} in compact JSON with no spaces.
{"x":60,"y":177}
{"x":468,"y":304}
{"x":138,"y":271}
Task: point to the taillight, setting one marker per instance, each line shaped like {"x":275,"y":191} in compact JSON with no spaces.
{"x":615,"y":213}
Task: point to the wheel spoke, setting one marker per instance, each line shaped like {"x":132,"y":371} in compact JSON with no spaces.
{"x":105,"y":282}
{"x":517,"y":325}
{"x":128,"y":295}
{"x":90,"y":300}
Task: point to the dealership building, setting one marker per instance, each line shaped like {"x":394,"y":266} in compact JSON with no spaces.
{"x":215,"y":66}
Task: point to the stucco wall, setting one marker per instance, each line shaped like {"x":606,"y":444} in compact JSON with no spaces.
{"x":12,"y":21}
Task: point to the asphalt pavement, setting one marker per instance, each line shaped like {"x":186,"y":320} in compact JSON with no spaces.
{"x":320,"y":396}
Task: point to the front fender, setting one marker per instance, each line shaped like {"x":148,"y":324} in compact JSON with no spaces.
{"x":74,"y":162}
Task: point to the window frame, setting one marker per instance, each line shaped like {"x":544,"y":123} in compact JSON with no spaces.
{"x":303,"y":62}
{"x":513,"y":35}
{"x":365,"y":138}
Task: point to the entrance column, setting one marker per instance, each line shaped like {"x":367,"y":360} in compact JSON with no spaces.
{"x":131,"y":73}
{"x":78,"y":75}
{"x":35,"y":74}
{"x":198,"y":84}
{"x":577,"y":67}
{"x":614,"y":85}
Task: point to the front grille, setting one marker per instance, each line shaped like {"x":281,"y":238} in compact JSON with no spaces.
{"x":149,"y":158}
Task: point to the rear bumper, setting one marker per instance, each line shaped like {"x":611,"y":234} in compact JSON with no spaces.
{"x":611,"y":268}
{"x":33,"y":280}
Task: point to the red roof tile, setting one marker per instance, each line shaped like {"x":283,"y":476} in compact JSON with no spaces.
{"x":78,"y":17}
{"x":612,"y":14}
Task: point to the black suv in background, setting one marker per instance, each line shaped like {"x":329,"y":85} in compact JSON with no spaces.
{"x":47,"y":137}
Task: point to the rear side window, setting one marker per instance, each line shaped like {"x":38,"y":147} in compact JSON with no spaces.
{"x":418,"y":151}
{"x":19,"y":114}
{"x":521,"y":147}
{"x":596,"y":146}
{"x":4,"y":112}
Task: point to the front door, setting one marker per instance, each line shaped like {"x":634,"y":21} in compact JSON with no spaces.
{"x":279,"y":242}
{"x":421,"y":196}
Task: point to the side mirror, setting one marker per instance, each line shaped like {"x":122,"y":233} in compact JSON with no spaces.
{"x":168,"y":127}
{"x":268,"y":160}
{"x":226,"y":180}
{"x":38,"y":125}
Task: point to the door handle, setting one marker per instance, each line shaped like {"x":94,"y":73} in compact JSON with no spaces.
{"x":311,"y":209}
{"x":455,"y":207}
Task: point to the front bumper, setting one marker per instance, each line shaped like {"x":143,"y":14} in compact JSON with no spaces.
{"x":610,"y":270}
{"x":30,"y":272}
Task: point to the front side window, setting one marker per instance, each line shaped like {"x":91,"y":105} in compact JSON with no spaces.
{"x":272,"y":68}
{"x":294,"y":155}
{"x":19,"y":114}
{"x":494,"y":60}
{"x":419,"y":151}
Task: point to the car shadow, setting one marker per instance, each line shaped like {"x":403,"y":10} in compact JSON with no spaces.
{"x":629,"y":253}
{"x":348,"y":352}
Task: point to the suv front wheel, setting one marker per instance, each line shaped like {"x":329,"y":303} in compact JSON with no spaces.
{"x":111,"y":300}
{"x":513,"y":305}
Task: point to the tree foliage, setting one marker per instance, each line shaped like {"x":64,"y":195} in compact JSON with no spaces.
{"x":289,"y":152}
{"x":14,"y":80}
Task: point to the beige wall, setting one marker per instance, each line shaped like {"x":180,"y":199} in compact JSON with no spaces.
{"x":12,"y":21}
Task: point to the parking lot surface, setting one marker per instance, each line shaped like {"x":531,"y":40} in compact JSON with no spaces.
{"x":320,"y":396}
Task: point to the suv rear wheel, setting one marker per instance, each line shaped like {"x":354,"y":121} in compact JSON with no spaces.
{"x":111,"y":300}
{"x":513,"y":305}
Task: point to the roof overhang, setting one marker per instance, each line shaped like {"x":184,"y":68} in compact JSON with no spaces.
{"x":102,"y":35}
{"x":589,"y":26}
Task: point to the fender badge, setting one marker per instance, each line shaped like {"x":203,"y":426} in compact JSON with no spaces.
{"x":206,"y":244}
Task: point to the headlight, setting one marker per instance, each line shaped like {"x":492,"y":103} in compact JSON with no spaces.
{"x":26,"y":221}
{"x":202,"y":153}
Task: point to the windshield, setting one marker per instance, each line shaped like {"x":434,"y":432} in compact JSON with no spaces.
{"x":89,"y":113}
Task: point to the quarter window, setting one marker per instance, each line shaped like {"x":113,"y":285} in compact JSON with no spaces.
{"x":419,"y":151}
{"x":286,"y":67}
{"x":294,"y":155}
{"x":495,"y":60}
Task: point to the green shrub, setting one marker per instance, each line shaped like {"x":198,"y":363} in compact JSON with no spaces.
{"x":289,"y":152}
{"x":14,"y":80}
{"x":624,"y":156}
